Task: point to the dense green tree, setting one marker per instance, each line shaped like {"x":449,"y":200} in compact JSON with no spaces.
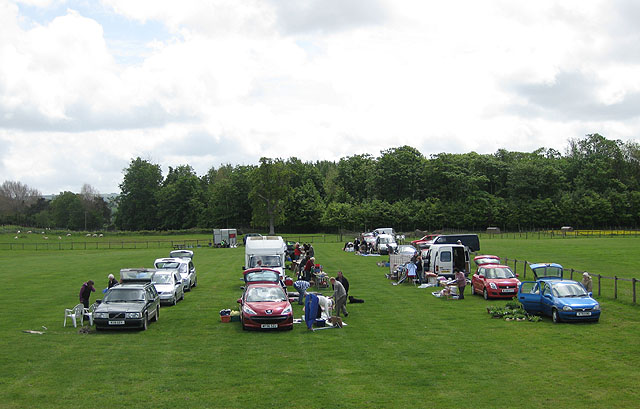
{"x":67,"y":211}
{"x":270,"y":188}
{"x":138,"y":205}
{"x":398,"y":174}
{"x":180,"y":199}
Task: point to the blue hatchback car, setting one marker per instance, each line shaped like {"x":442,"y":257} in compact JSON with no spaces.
{"x":552,"y":295}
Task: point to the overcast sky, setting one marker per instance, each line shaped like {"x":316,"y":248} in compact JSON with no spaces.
{"x":88,"y":85}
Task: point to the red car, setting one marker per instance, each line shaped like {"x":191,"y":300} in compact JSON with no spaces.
{"x":424,"y":242}
{"x":495,"y":281}
{"x":265,"y":306}
{"x":486,"y":259}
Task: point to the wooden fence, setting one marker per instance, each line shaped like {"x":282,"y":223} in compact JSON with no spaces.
{"x":144,"y":244}
{"x":616,"y":286}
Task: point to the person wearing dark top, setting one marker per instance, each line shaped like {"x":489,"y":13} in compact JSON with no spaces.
{"x":112,"y":281}
{"x":85,"y":293}
{"x":344,"y":281}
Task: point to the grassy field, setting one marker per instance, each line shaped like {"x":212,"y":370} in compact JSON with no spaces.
{"x":402,"y":347}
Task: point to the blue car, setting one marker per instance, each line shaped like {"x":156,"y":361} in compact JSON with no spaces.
{"x":552,"y":295}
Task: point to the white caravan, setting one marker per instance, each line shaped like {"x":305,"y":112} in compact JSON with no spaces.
{"x":265,"y":251}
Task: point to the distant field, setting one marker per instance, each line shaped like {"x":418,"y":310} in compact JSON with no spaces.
{"x":402,"y":348}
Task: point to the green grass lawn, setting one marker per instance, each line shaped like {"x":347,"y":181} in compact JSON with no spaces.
{"x":401,"y":348}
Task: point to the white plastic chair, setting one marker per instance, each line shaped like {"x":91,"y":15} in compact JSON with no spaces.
{"x":76,"y":314}
{"x":88,"y":312}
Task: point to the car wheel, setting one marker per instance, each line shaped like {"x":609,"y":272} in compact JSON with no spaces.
{"x":182,"y":296}
{"x":244,"y":328}
{"x":157,"y":316}
{"x":473,"y":290}
{"x":195,"y":283}
{"x":555,"y":316}
{"x":145,"y":322}
{"x":175,"y":299}
{"x":485,"y":294}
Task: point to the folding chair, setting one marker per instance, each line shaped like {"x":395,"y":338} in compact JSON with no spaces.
{"x":88,"y":312}
{"x":76,"y":314}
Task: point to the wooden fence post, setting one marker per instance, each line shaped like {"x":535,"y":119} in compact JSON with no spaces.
{"x":633,"y":280}
{"x":572,"y":274}
{"x":599,"y":285}
{"x":524,"y":273}
{"x":615,"y":287}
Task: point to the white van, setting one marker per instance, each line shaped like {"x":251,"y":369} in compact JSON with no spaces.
{"x":385,"y":244}
{"x":270,"y":251}
{"x":385,"y":230}
{"x":441,"y":259}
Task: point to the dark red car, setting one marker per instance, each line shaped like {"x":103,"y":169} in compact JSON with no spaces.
{"x":265,"y":306}
{"x":495,"y":281}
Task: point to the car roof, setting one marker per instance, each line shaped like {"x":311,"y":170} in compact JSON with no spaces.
{"x":172,"y":259}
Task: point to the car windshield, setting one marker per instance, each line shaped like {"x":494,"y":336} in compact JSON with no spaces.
{"x":267,"y":261}
{"x":123,"y":295}
{"x":161,"y":278}
{"x":385,"y":240}
{"x":167,"y":264}
{"x":265,"y":294}
{"x":499,"y":272}
{"x":568,"y":290}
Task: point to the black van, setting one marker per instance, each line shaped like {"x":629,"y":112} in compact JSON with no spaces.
{"x":470,"y":240}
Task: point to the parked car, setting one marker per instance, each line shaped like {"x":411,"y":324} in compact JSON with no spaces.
{"x":265,"y":306}
{"x":486,"y":259}
{"x":168,"y":284}
{"x":406,"y":249}
{"x":552,"y":295}
{"x":424,"y":241}
{"x":128,"y":305}
{"x":369,"y":238}
{"x":494,"y":281}
{"x":184,"y":266}
{"x":385,"y":244}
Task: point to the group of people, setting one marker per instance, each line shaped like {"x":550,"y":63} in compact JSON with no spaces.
{"x":304,"y":261}
{"x":340,"y":286}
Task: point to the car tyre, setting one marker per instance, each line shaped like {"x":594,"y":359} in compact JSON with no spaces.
{"x":195,"y":283}
{"x":555,"y":316}
{"x":157,"y":316}
{"x":485,"y":294}
{"x":145,"y":322}
{"x":244,"y":328}
{"x":175,"y":299}
{"x":182,"y":296}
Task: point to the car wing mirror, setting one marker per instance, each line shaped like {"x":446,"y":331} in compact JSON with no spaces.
{"x":239,"y":301}
{"x":590,"y":294}
{"x":517,"y":275}
{"x":98,"y":301}
{"x":480,"y":276}
{"x":244,"y":268}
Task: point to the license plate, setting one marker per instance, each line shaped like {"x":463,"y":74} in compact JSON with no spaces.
{"x":509,"y":290}
{"x":583,"y":313}
{"x":269,"y":326}
{"x":116,"y":322}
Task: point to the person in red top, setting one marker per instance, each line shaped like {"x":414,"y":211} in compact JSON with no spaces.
{"x":308,"y":267}
{"x":296,"y":251}
{"x":85,"y":293}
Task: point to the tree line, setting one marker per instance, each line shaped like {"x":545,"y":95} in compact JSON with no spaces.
{"x":594,"y":184}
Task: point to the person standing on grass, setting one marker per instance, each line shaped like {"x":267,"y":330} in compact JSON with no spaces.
{"x":112,"y":281}
{"x":85,"y":293}
{"x":587,"y":282}
{"x":461,"y":282}
{"x":343,"y":280}
{"x":302,"y":286}
{"x":339,"y":297}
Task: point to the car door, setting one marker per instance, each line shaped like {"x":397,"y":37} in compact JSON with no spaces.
{"x":547,"y":299}
{"x":178,"y":289}
{"x":530,"y":297}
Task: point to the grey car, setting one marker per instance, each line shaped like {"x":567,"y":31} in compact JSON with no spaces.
{"x":128,"y":305}
{"x":184,"y":266}
{"x":169,"y":285}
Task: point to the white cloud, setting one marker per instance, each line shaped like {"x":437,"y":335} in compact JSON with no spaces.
{"x":313,"y":79}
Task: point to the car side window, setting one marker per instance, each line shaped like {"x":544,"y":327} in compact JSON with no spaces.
{"x":546,"y":289}
{"x":481,"y":271}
